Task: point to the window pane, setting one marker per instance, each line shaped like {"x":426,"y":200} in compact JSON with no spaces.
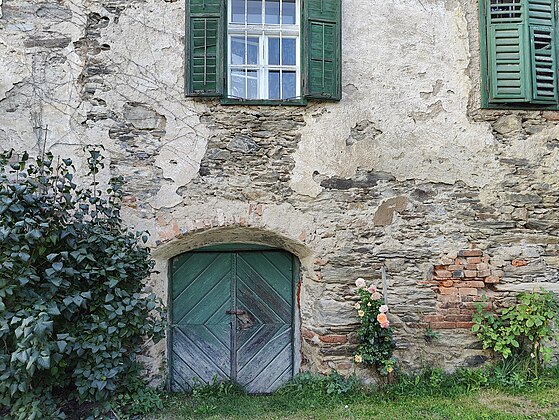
{"x":272,"y":11}
{"x":288,"y":12}
{"x":288,"y":85}
{"x":238,"y":79}
{"x":254,"y":10}
{"x":237,"y":50}
{"x":274,"y":85}
{"x":252,"y":85}
{"x":288,"y":52}
{"x":252,"y":53}
{"x":238,"y":11}
{"x":273,"y":51}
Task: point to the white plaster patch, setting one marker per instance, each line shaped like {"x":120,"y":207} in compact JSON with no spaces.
{"x":413,"y":83}
{"x":14,"y":65}
{"x":145,"y":76}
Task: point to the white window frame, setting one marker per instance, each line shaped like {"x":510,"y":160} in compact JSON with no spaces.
{"x":263,"y":32}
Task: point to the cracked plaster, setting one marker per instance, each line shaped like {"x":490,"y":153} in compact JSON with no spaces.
{"x":431,"y":42}
{"x":408,"y":126}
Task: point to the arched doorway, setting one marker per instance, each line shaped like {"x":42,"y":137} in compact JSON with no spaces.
{"x":233,"y":313}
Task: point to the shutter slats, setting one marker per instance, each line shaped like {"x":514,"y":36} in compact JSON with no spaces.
{"x":205,"y":25}
{"x":505,"y":11}
{"x":323,"y":49}
{"x":543,"y":61}
{"x":506,"y":63}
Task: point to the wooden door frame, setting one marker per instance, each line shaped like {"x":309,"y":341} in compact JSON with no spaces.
{"x":237,"y":247}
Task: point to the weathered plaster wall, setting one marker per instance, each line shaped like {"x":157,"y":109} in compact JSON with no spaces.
{"x":403,"y":172}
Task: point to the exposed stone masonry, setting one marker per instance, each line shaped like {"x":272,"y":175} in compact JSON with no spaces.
{"x":404,"y":170}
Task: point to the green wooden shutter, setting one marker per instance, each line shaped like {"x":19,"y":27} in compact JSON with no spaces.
{"x":508,"y":51}
{"x":543,"y":59}
{"x":322,"y":37}
{"x":205,"y":24}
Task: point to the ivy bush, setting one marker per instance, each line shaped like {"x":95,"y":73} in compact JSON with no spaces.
{"x":73,"y":312}
{"x":376,"y":342}
{"x":523,"y":330}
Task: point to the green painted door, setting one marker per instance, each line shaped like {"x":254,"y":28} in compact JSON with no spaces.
{"x":232,"y":318}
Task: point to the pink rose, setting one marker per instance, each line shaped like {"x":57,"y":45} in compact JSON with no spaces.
{"x":376,"y":296}
{"x":372,"y":288}
{"x":382,"y":319}
{"x":360,"y":283}
{"x":385,"y":324}
{"x":383,"y":309}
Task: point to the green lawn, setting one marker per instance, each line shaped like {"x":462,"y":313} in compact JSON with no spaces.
{"x":483,"y":404}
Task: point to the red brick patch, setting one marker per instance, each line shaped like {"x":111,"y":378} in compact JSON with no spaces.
{"x":461,"y":278}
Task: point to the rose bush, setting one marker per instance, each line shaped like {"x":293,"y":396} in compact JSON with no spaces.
{"x":376,"y":342}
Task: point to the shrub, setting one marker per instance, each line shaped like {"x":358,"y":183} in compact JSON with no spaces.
{"x":73,"y":313}
{"x":520,"y":330}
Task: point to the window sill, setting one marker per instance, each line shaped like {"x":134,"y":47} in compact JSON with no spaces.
{"x":520,"y":107}
{"x":264,"y":102}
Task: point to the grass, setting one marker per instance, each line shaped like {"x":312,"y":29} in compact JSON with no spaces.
{"x":484,"y":404}
{"x":315,"y":398}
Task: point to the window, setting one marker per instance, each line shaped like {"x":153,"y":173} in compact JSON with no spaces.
{"x":519,"y":61}
{"x":277,"y":51}
{"x":263,"y":45}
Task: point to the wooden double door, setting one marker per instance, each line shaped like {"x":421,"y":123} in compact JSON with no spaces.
{"x":232,"y":318}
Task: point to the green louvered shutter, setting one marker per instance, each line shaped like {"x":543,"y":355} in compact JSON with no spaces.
{"x":543,"y":59}
{"x":322,"y":35}
{"x":205,"y":22}
{"x":508,"y":51}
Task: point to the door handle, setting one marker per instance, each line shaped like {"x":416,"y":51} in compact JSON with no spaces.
{"x":236,"y":312}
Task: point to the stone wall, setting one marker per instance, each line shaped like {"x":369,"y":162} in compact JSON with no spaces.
{"x":403,"y":172}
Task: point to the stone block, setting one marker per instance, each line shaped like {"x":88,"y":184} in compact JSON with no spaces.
{"x":450,"y":298}
{"x":483,"y":273}
{"x":551,"y":115}
{"x":473,"y":260}
{"x":448,"y":291}
{"x":458,"y":318}
{"x":470,"y":273}
{"x":457,"y":274}
{"x":463,"y":324}
{"x":434,"y":318}
{"x":442,"y":325}
{"x":470,"y":253}
{"x":508,"y":124}
{"x":447,"y":283}
{"x":519,"y":263}
{"x":476,"y":284}
{"x":468,"y":291}
{"x":333,"y":339}
{"x":492,"y":279}
{"x":443,"y":274}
